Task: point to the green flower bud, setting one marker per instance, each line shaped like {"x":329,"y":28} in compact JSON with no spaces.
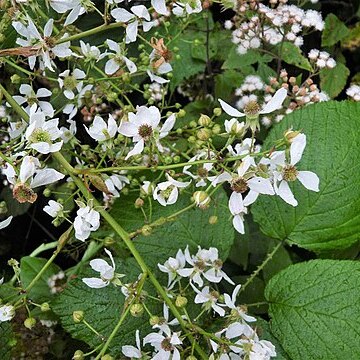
{"x":177,"y":159}
{"x":217,"y":111}
{"x":45,"y":307}
{"x":202,"y":199}
{"x":29,"y":323}
{"x":78,"y":355}
{"x":204,"y":120}
{"x":139,"y":203}
{"x":193,"y":124}
{"x":192,"y":139}
{"x":216,"y":129}
{"x":213,"y":219}
{"x":78,"y":316}
{"x":15,"y":79}
{"x":136,"y":310}
{"x":204,"y":134}
{"x":109,"y":241}
{"x":181,"y":301}
{"x":154,"y":320}
{"x":107,"y":357}
{"x":181,"y":113}
{"x":146,"y":230}
{"x":47,"y":192}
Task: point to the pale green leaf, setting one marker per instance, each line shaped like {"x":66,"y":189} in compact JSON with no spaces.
{"x":334,"y":31}
{"x":333,"y":81}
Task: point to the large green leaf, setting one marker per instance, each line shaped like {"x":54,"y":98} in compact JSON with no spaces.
{"x":102,"y":309}
{"x":6,"y":341}
{"x":292,"y":55}
{"x":327,"y":221}
{"x":315,"y":309}
{"x":334,"y":31}
{"x":333,"y":81}
{"x":30,"y":267}
{"x":190,"y":228}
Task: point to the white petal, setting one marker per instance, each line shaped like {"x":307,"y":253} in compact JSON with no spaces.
{"x":236,"y":204}
{"x":45,"y":177}
{"x":121,"y":15}
{"x":130,"y":65}
{"x":297,"y":148}
{"x":230,"y":110}
{"x":309,"y":179}
{"x":95,"y":283}
{"x":286,"y":194}
{"x":131,"y":352}
{"x":141,"y":11}
{"x":160,"y":6}
{"x":131,"y":32}
{"x":261,"y":185}
{"x":275,"y":102}
{"x":111,"y":67}
{"x":238,"y":224}
{"x":5,"y":223}
{"x":138,"y":148}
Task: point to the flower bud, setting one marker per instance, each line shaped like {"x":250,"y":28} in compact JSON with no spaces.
{"x":213,"y":219}
{"x":217,"y":111}
{"x":191,"y":357}
{"x":15,"y":79}
{"x":204,"y":120}
{"x":139,"y":203}
{"x":45,"y":307}
{"x":99,"y":183}
{"x":181,"y":301}
{"x":107,"y":357}
{"x":154,"y":320}
{"x":78,"y":355}
{"x":78,"y":316}
{"x":216,"y":129}
{"x":146,"y":230}
{"x":3,"y":208}
{"x":202,"y":199}
{"x":47,"y":192}
{"x":109,"y":241}
{"x":193,"y":124}
{"x":204,"y":134}
{"x":136,"y":310}
{"x":29,"y":323}
{"x":290,"y":135}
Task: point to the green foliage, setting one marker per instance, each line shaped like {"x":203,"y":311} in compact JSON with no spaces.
{"x":30,"y":267}
{"x":333,"y":81}
{"x":226,"y":82}
{"x":237,"y":61}
{"x":292,"y":55}
{"x":328,"y":221}
{"x":315,"y":309}
{"x":190,"y":228}
{"x":6,"y":341}
{"x":102,"y":309}
{"x":334,"y":31}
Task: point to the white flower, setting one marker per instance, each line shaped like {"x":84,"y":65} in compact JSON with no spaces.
{"x":100,"y":131}
{"x":287,"y":172}
{"x":30,"y":97}
{"x":147,"y":187}
{"x":231,"y":304}
{"x":87,"y":220}
{"x":107,"y":272}
{"x":30,"y":176}
{"x":167,"y":192}
{"x":133,"y":352}
{"x":115,"y":183}
{"x":172,"y":265}
{"x":234,"y":127}
{"x":72,"y":108}
{"x":69,"y":81}
{"x":164,"y":324}
{"x":54,"y":209}
{"x":209,"y":299}
{"x":7,"y":312}
{"x":41,"y":133}
{"x":354,"y":92}
{"x":137,"y":13}
{"x":91,"y":52}
{"x":5,"y":223}
{"x":160,"y":7}
{"x":140,"y":127}
{"x":202,"y":170}
{"x":165,"y":347}
{"x":117,"y":59}
{"x":183,"y":8}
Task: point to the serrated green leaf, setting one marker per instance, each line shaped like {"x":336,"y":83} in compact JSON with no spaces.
{"x":334,"y":31}
{"x":190,"y":228}
{"x":102,"y":309}
{"x":237,"y":61}
{"x":30,"y":267}
{"x":6,"y":339}
{"x":292,"y":55}
{"x":328,"y":221}
{"x":315,"y":309}
{"x":226,"y":82}
{"x":333,"y":81}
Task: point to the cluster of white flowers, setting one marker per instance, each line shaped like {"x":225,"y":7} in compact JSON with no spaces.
{"x":321,"y":59}
{"x":354,"y":92}
{"x":282,"y":22}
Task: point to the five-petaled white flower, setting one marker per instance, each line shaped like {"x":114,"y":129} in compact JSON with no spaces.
{"x":209,"y":299}
{"x":285,"y":171}
{"x":165,"y":346}
{"x":100,"y":131}
{"x":71,"y":81}
{"x":7,"y":312}
{"x":167,"y":192}
{"x":107,"y":272}
{"x":54,"y":209}
{"x":172,"y":265}
{"x":117,"y":59}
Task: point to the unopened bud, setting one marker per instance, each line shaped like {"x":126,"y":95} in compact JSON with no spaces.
{"x":99,"y":183}
{"x":217,"y":111}
{"x":201,"y":198}
{"x":181,"y":301}
{"x":109,"y":241}
{"x":107,"y":357}
{"x":78,"y":355}
{"x":136,"y":310}
{"x":139,"y":203}
{"x":181,"y":113}
{"x":47,"y":192}
{"x":78,"y":316}
{"x":203,"y":134}
{"x":216,"y":129}
{"x":204,"y":120}
{"x":146,"y":230}
{"x":29,"y":323}
{"x":213,"y":219}
{"x":191,"y":357}
{"x":45,"y":307}
{"x":154,"y":320}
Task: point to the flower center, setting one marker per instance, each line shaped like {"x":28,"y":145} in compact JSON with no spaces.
{"x":166,"y":345}
{"x":23,"y":193}
{"x":218,"y":264}
{"x":40,"y":135}
{"x":70,"y":82}
{"x":290,"y":173}
{"x":167,"y":192}
{"x":202,"y":172}
{"x":32,"y":100}
{"x":49,"y":41}
{"x":214,"y":294}
{"x":239,"y":185}
{"x":145,"y":131}
{"x":200,"y":264}
{"x":252,"y":108}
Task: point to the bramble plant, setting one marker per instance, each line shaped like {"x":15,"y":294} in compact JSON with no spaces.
{"x":190,"y":158}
